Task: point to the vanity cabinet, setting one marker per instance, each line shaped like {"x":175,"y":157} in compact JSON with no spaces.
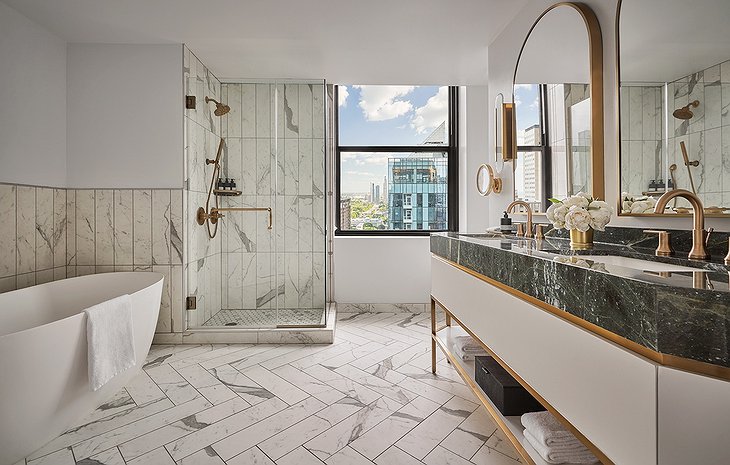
{"x":694,"y":419}
{"x":603,"y":390}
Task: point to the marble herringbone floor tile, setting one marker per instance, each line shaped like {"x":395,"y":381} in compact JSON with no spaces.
{"x":369,"y":398}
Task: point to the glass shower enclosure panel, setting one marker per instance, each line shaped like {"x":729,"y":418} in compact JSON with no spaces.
{"x":271,"y":240}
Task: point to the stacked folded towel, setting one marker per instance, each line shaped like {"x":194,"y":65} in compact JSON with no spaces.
{"x":552,"y":441}
{"x":467,"y":348}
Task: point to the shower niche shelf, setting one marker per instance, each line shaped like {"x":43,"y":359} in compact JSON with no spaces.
{"x":226,"y":193}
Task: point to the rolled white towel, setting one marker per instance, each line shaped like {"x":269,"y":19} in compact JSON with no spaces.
{"x":468,"y":344}
{"x":554,"y":456}
{"x":547,"y":429}
{"x":467,"y":356}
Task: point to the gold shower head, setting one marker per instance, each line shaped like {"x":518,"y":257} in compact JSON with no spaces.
{"x":220,"y":108}
{"x":685,"y":112}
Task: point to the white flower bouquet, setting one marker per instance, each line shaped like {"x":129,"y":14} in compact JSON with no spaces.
{"x":579,"y":212}
{"x":637,"y":204}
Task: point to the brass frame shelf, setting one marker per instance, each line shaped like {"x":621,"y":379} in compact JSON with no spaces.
{"x":226,"y":192}
{"x":499,"y":419}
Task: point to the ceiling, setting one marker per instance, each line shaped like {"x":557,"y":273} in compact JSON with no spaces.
{"x":664,"y":40}
{"x":343,"y":41}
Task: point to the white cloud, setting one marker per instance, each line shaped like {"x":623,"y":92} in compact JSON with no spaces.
{"x":433,"y":113}
{"x":381,"y":103}
{"x":342,"y":94}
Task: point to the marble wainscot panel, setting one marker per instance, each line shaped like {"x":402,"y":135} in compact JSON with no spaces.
{"x":667,"y":314}
{"x":49,"y":234}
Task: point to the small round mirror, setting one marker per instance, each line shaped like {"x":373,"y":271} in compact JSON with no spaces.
{"x":487,"y":182}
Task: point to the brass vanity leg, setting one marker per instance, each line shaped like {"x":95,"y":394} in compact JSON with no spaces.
{"x":448,"y":318}
{"x":433,"y":336}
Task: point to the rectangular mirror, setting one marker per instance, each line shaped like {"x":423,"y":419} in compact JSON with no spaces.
{"x":674,"y":100}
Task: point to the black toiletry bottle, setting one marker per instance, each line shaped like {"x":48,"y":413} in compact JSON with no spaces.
{"x":670,"y":184}
{"x":652,"y":185}
{"x":233,"y":184}
{"x":660,"y":185}
{"x":219,"y":184}
{"x":505,"y":224}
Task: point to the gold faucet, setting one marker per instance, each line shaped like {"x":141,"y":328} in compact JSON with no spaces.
{"x":699,"y":235}
{"x":511,"y":206}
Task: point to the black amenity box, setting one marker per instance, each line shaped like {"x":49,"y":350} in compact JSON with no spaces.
{"x":507,"y":394}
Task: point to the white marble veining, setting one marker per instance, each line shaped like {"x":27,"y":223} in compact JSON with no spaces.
{"x":245,"y":404}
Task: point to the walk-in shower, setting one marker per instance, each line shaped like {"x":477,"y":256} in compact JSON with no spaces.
{"x":261,"y":243}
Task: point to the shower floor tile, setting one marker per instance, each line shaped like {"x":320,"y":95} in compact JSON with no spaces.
{"x":266,"y":318}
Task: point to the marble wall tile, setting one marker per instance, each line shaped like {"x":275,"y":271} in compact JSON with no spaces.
{"x":306,"y":166}
{"x":44,"y":229}
{"x":8,"y":213}
{"x":290,"y":101}
{"x":263,"y":167}
{"x":60,"y":227}
{"x":142,"y":234}
{"x":161,"y":218}
{"x":306,"y":110}
{"x":176,"y":227}
{"x":164,"y":318}
{"x":233,"y":294}
{"x":8,"y":284}
{"x":318,"y":280}
{"x":44,"y":276}
{"x":71,"y":237}
{"x":85,"y":227}
{"x":263,"y":111}
{"x":318,"y":123}
{"x":291,"y":167}
{"x":234,"y":118}
{"x":25,"y":227}
{"x":248,"y":277}
{"x":123,"y":227}
{"x":25,"y":280}
{"x":104,"y":229}
{"x":291,"y":224}
{"x":306,"y":281}
{"x":304,"y":204}
{"x":178,"y":298}
{"x":247,"y":183}
{"x":712,"y":172}
{"x":291,"y":280}
{"x":248,"y":110}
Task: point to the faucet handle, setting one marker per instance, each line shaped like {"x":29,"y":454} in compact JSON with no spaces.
{"x":665,"y":246}
{"x":707,"y":237}
{"x":727,"y":257}
{"x":538,"y":231}
{"x":520,"y":229}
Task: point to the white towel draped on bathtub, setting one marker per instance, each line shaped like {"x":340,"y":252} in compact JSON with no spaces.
{"x":110,"y":339}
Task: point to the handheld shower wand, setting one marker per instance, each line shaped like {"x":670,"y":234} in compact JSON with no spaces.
{"x":689,"y":163}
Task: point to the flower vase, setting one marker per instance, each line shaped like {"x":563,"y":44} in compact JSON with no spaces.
{"x":580,"y":240}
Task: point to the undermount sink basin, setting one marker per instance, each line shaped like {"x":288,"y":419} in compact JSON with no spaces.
{"x":636,"y":263}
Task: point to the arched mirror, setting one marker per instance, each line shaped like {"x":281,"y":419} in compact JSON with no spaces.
{"x":558,"y":105}
{"x":674,"y":101}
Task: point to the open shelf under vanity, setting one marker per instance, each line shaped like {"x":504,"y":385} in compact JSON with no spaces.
{"x":510,"y":425}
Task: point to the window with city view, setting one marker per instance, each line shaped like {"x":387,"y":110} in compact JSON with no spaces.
{"x":396,"y":159}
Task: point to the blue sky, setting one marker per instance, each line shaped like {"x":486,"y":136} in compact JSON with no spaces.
{"x":384,"y":115}
{"x":527,"y":108}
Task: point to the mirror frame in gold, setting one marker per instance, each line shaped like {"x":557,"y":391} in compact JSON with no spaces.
{"x":595,"y":59}
{"x":617,"y":101}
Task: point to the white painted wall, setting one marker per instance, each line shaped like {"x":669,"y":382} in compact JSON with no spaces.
{"x":398,"y":269}
{"x":503,"y":53}
{"x":382,"y":269}
{"x":32,"y":102}
{"x":125,"y":116}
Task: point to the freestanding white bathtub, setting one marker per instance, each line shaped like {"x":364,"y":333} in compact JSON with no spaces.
{"x":44,"y":384}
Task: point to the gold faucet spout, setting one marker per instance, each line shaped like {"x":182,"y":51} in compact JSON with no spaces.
{"x":699,"y":235}
{"x":511,"y":207}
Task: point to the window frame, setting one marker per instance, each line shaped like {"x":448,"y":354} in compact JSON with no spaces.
{"x":543,"y":148}
{"x":451,"y":149}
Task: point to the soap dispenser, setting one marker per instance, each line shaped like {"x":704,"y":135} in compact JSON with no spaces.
{"x":505,"y":224}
